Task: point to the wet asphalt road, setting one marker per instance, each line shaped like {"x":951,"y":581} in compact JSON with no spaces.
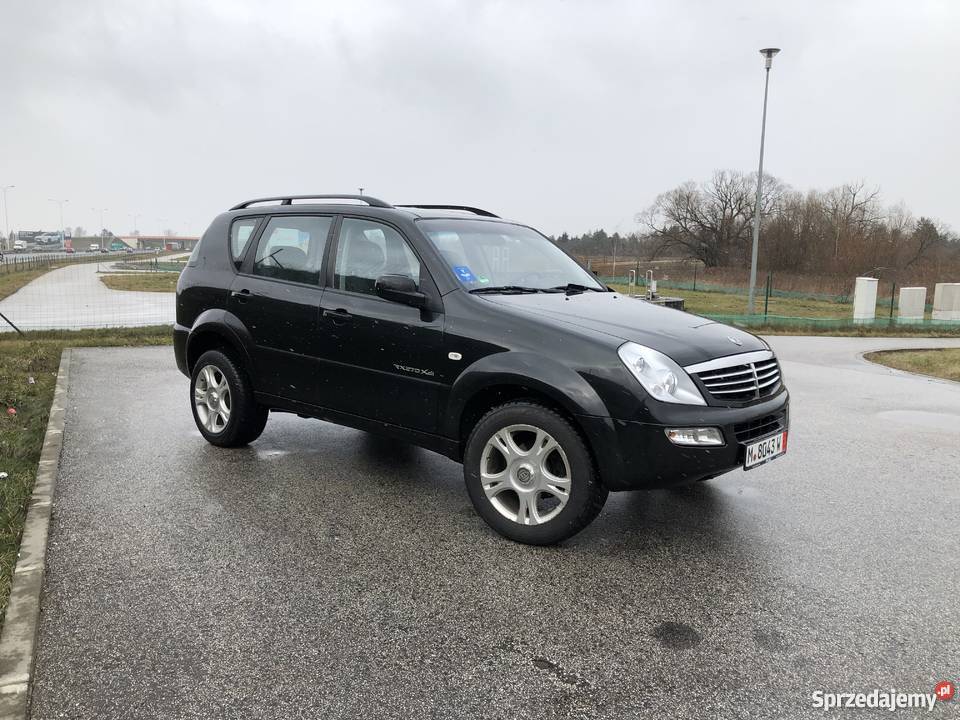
{"x":325,"y":573}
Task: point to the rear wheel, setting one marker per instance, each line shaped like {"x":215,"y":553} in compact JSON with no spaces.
{"x":224,"y":408}
{"x":530,"y":476}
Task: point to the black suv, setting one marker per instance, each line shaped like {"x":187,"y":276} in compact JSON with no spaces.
{"x":474,"y":337}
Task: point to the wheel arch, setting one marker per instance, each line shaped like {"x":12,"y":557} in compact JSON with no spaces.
{"x":218,"y":329}
{"x":500,"y":379}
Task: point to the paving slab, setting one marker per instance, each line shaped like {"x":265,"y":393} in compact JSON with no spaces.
{"x":325,"y":573}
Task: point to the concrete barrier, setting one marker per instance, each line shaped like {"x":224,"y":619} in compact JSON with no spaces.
{"x":865,"y":299}
{"x":912,"y":304}
{"x":946,"y":301}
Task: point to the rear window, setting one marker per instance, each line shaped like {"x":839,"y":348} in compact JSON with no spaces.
{"x":240,"y":233}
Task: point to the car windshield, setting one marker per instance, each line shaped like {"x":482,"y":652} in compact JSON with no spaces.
{"x":487,"y":256}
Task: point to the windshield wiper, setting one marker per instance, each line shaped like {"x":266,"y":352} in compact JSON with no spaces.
{"x":572,"y":288}
{"x":506,"y":289}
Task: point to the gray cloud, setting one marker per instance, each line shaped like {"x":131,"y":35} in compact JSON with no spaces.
{"x":570,"y":115}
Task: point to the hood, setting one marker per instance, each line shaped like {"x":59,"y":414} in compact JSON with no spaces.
{"x":686,"y":338}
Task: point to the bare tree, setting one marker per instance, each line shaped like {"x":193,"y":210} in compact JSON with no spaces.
{"x":711,"y":221}
{"x":926,"y":237}
{"x":852,"y":209}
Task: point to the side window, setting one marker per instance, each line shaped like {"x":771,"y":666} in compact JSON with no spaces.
{"x":367,"y":250}
{"x":291,"y":248}
{"x":240,"y":233}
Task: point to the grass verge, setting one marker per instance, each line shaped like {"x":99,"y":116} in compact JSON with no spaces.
{"x":800,"y":316}
{"x":37,"y":355}
{"x":11,"y":282}
{"x":144,"y":282}
{"x":941,"y":363}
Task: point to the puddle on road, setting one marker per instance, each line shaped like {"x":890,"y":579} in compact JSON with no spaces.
{"x":946,"y":422}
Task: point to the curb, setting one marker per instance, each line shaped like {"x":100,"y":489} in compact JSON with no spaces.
{"x":19,"y":637}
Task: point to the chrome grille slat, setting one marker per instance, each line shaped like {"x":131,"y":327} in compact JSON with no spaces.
{"x":743,"y":381}
{"x":733,"y":380}
{"x":751,"y":390}
{"x":718,"y":376}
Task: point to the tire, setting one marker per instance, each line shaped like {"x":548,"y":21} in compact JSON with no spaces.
{"x":244,"y":419}
{"x":516,"y":490}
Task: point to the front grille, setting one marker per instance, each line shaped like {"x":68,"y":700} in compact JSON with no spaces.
{"x":742,"y":383}
{"x":767,"y":425}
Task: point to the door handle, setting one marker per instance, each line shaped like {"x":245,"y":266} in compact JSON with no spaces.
{"x":339,"y":316}
{"x":241,"y":295}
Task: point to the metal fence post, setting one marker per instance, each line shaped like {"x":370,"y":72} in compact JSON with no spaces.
{"x":893,"y":293}
{"x":766,"y":300}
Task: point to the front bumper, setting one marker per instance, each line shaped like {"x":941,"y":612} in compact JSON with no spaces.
{"x":640,"y":456}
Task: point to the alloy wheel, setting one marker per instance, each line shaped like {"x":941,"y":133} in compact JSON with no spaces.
{"x":525,"y":474}
{"x":211,"y":396}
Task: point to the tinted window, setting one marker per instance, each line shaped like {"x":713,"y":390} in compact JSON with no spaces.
{"x":368,"y":250}
{"x":291,"y":248}
{"x":240,"y":233}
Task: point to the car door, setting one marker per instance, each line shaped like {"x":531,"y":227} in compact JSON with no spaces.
{"x":385,"y":356}
{"x":277,"y":296}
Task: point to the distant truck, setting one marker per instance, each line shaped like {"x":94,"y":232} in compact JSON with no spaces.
{"x":19,"y":245}
{"x":94,"y":247}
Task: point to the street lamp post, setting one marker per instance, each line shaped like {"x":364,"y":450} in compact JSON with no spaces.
{"x":63,"y":229}
{"x":103,"y":230}
{"x":768,"y":54}
{"x":6,"y":217}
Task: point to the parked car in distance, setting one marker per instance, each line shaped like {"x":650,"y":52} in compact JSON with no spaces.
{"x":69,"y":251}
{"x":474,"y":337}
{"x":94,"y":247}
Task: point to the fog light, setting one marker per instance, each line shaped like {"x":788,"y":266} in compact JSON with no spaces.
{"x":695,"y":436}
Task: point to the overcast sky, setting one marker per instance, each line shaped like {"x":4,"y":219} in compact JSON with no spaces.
{"x":567,"y":115}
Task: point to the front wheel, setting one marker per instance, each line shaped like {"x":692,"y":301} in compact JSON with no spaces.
{"x":224,"y":408}
{"x":530,"y":475}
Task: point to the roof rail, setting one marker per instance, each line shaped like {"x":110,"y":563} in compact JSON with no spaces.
{"x":467,"y":208}
{"x":288,"y":200}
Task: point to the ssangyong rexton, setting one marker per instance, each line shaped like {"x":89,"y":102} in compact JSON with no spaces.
{"x":474,"y":337}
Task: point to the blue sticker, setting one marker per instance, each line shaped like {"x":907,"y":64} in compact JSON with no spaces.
{"x":463,"y":272}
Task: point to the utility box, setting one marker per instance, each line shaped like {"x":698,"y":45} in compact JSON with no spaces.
{"x":946,"y":301}
{"x":913,"y":304}
{"x":865,"y":299}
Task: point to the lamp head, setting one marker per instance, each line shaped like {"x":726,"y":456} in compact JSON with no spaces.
{"x":768,"y":54}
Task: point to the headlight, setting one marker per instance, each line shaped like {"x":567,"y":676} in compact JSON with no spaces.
{"x":659,"y":375}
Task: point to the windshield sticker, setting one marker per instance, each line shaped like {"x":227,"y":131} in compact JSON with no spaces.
{"x":463,"y":272}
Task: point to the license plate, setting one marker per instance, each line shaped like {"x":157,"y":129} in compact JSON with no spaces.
{"x":765,"y":450}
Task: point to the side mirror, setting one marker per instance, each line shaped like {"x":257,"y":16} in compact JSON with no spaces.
{"x":401,"y":289}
